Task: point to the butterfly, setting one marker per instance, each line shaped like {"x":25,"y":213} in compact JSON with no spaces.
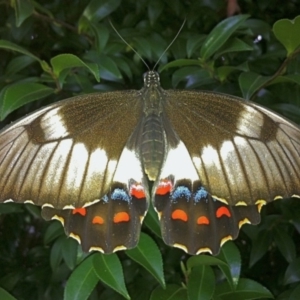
{"x":212,"y":160}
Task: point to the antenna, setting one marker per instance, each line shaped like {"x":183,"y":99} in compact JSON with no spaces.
{"x":119,"y":35}
{"x":176,"y":36}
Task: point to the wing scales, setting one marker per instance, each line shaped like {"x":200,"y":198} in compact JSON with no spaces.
{"x":66,"y":154}
{"x":220,"y":131}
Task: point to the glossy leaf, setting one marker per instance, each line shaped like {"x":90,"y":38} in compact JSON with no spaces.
{"x":98,"y":10}
{"x":292,"y":273}
{"x":200,"y":283}
{"x":109,"y":270}
{"x":23,"y":9}
{"x":285,"y":244}
{"x":148,"y":255}
{"x":250,"y":83}
{"x":220,"y":34}
{"x":14,"y":47}
{"x":171,"y":292}
{"x":4,"y":295}
{"x":62,"y":62}
{"x":17,"y":64}
{"x":82,"y":281}
{"x":21,"y":93}
{"x":287,"y":32}
{"x":247,"y":289}
{"x":231,"y":256}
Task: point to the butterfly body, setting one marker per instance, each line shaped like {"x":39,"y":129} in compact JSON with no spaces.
{"x":214,"y":161}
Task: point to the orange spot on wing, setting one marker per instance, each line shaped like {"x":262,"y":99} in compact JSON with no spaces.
{"x":121,"y":217}
{"x":202,"y":220}
{"x":81,"y":211}
{"x":98,"y":220}
{"x":179,"y":214}
{"x":137,"y":191}
{"x":223,"y":211}
{"x":164,"y":187}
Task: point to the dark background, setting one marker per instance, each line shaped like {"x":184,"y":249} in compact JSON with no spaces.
{"x":33,"y":253}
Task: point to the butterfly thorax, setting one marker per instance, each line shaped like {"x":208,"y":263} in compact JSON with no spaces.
{"x":152,"y":147}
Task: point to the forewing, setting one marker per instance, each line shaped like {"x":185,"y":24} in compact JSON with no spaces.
{"x":66,"y":154}
{"x":242,"y":152}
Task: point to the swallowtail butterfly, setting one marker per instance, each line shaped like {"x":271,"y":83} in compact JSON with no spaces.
{"x":214,"y":162}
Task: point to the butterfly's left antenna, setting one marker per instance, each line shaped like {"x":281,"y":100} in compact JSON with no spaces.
{"x":117,"y":32}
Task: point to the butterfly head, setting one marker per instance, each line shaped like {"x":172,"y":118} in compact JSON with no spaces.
{"x":151,"y":78}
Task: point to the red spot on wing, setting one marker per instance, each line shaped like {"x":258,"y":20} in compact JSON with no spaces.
{"x":98,"y":220}
{"x":81,"y":211}
{"x":137,"y":190}
{"x":202,"y":220}
{"x":164,"y":187}
{"x":223,"y":211}
{"x":121,"y":217}
{"x":179,"y":214}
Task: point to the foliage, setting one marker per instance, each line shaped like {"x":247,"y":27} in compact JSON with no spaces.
{"x":52,"y":50}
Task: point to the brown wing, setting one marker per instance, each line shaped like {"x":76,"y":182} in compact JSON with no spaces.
{"x":67,"y":153}
{"x":241,"y":151}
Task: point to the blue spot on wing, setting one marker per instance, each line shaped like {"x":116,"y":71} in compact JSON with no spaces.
{"x":120,"y":194}
{"x":201,"y":194}
{"x":181,"y":192}
{"x":105,"y":198}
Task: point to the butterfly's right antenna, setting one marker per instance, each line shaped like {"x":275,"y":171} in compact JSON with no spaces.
{"x":117,"y":32}
{"x":170,"y":44}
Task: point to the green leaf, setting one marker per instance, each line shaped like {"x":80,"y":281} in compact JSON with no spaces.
{"x":62,"y":62}
{"x":203,"y":259}
{"x":233,"y":45}
{"x":201,"y":283}
{"x":109,"y":270}
{"x":251,"y":82}
{"x":69,"y":252}
{"x":54,"y":230}
{"x":287,"y":32}
{"x":224,"y":71}
{"x":23,"y":9}
{"x":231,"y":256}
{"x":180,"y":63}
{"x":4,"y":295}
{"x":16,"y":95}
{"x":98,"y":10}
{"x":295,"y":293}
{"x":246,"y":289}
{"x":194,"y":42}
{"x":220,"y":34}
{"x":108,"y":68}
{"x":56,"y":253}
{"x":148,"y":255}
{"x":152,"y":222}
{"x":17,"y":64}
{"x":211,"y":261}
{"x":292,"y":78}
{"x":10,"y":207}
{"x":260,"y":246}
{"x":285,"y":244}
{"x":155,"y":8}
{"x":82,"y":281}
{"x":171,"y":292}
{"x":193,"y":75}
{"x":292,"y":273}
{"x":14,"y":47}
{"x":101,"y":34}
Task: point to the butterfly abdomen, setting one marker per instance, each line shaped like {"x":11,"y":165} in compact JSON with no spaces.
{"x":152,"y":145}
